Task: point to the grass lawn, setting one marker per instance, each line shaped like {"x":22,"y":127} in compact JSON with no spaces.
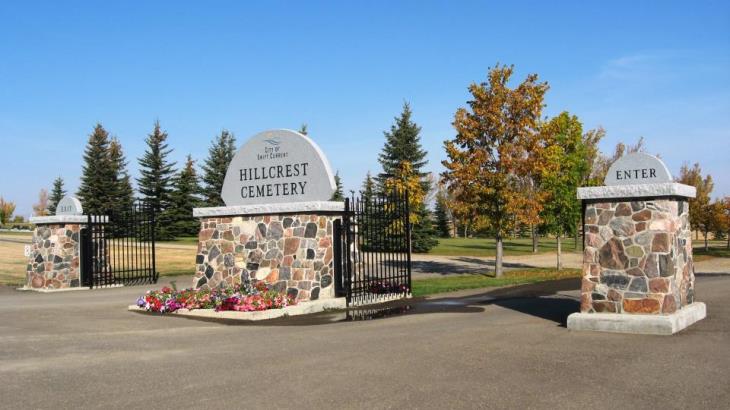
{"x":487,"y":246}
{"x":27,"y":234}
{"x":12,"y":263}
{"x":717,"y":249}
{"x":170,"y":262}
{"x":430,"y":286}
{"x":182,"y":240}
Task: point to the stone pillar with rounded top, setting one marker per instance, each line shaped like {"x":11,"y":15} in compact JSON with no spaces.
{"x":638,"y":274}
{"x":54,"y":258}
{"x":278,"y":222}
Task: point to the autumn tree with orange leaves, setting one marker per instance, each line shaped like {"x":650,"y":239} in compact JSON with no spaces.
{"x":497,"y":145}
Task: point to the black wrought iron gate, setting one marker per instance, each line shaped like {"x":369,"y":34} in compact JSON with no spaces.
{"x":119,"y":248}
{"x":373,"y":249}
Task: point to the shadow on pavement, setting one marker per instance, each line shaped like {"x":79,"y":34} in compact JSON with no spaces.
{"x":537,"y":300}
{"x":548,"y":308}
{"x":461,"y":265}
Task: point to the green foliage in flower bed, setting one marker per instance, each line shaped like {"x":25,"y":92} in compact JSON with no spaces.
{"x":246,"y":297}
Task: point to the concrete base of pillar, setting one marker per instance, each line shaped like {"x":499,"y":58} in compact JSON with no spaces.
{"x":639,"y":324}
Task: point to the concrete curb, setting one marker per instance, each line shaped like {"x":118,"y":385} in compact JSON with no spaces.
{"x":639,"y":324}
{"x":44,"y":290}
{"x":303,"y":308}
{"x":49,"y":290}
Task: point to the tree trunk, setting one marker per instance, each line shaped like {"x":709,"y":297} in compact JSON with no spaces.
{"x":534,"y":238}
{"x":728,"y":239}
{"x":498,"y":263}
{"x":707,"y":248}
{"x":560,"y":263}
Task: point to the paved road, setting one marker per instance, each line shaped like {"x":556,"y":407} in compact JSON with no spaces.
{"x":438,"y":266}
{"x":507,"y":348}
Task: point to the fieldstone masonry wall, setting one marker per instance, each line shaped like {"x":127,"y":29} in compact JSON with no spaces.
{"x":638,"y":257}
{"x":293,"y":253}
{"x":54,"y":259}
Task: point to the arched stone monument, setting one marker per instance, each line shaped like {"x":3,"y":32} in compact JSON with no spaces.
{"x":277,"y":224}
{"x":638,"y":274}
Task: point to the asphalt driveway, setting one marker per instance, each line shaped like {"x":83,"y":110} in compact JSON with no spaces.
{"x":506,"y":348}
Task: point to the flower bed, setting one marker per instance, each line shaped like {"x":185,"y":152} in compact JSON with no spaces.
{"x":246,"y":297}
{"x":384,"y":287}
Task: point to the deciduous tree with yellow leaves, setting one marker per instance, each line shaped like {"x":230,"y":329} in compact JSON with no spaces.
{"x":495,"y":146}
{"x":702,"y":215}
{"x":6,"y":210}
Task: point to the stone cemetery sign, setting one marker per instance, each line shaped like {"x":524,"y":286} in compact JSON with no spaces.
{"x":637,"y":168}
{"x":278,"y":166}
{"x":69,"y":205}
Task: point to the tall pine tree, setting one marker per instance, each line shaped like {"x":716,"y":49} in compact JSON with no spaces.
{"x":123,"y":191}
{"x":96,"y":191}
{"x":368,"y":225}
{"x":184,"y":197}
{"x":338,"y":195}
{"x":402,"y":144}
{"x":156,"y":170}
{"x":368,"y":188}
{"x":401,"y":153}
{"x":57,"y":193}
{"x":220,"y":154}
{"x":441,"y":213}
{"x":303,"y":129}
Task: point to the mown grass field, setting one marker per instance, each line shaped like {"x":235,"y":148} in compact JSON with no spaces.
{"x":12,"y":263}
{"x":717,"y":249}
{"x":171,"y":261}
{"x":487,"y":246}
{"x":431,"y":286}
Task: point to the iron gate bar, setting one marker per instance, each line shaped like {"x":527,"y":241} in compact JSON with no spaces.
{"x":373,"y":247}
{"x":119,"y":248}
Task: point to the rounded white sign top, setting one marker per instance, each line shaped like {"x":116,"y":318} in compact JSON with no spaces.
{"x":278,"y":166}
{"x":69,"y":205}
{"x":637,"y":168}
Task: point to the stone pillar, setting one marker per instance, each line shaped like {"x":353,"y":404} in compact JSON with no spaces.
{"x":288,"y":246}
{"x":638,"y":275}
{"x":54,"y":261}
{"x":638,"y":256}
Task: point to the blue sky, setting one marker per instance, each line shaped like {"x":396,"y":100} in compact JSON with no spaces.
{"x":660,"y":70}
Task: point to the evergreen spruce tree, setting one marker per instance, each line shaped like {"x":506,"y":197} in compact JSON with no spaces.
{"x":184,"y":197}
{"x":57,"y":193}
{"x":368,"y":225}
{"x":443,"y":223}
{"x":368,"y":188}
{"x":155,"y":183}
{"x":123,"y":192}
{"x":220,"y":154}
{"x":422,"y":231}
{"x":156,"y":170}
{"x":402,"y":151}
{"x":402,"y":144}
{"x":338,"y":195}
{"x":96,"y":191}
